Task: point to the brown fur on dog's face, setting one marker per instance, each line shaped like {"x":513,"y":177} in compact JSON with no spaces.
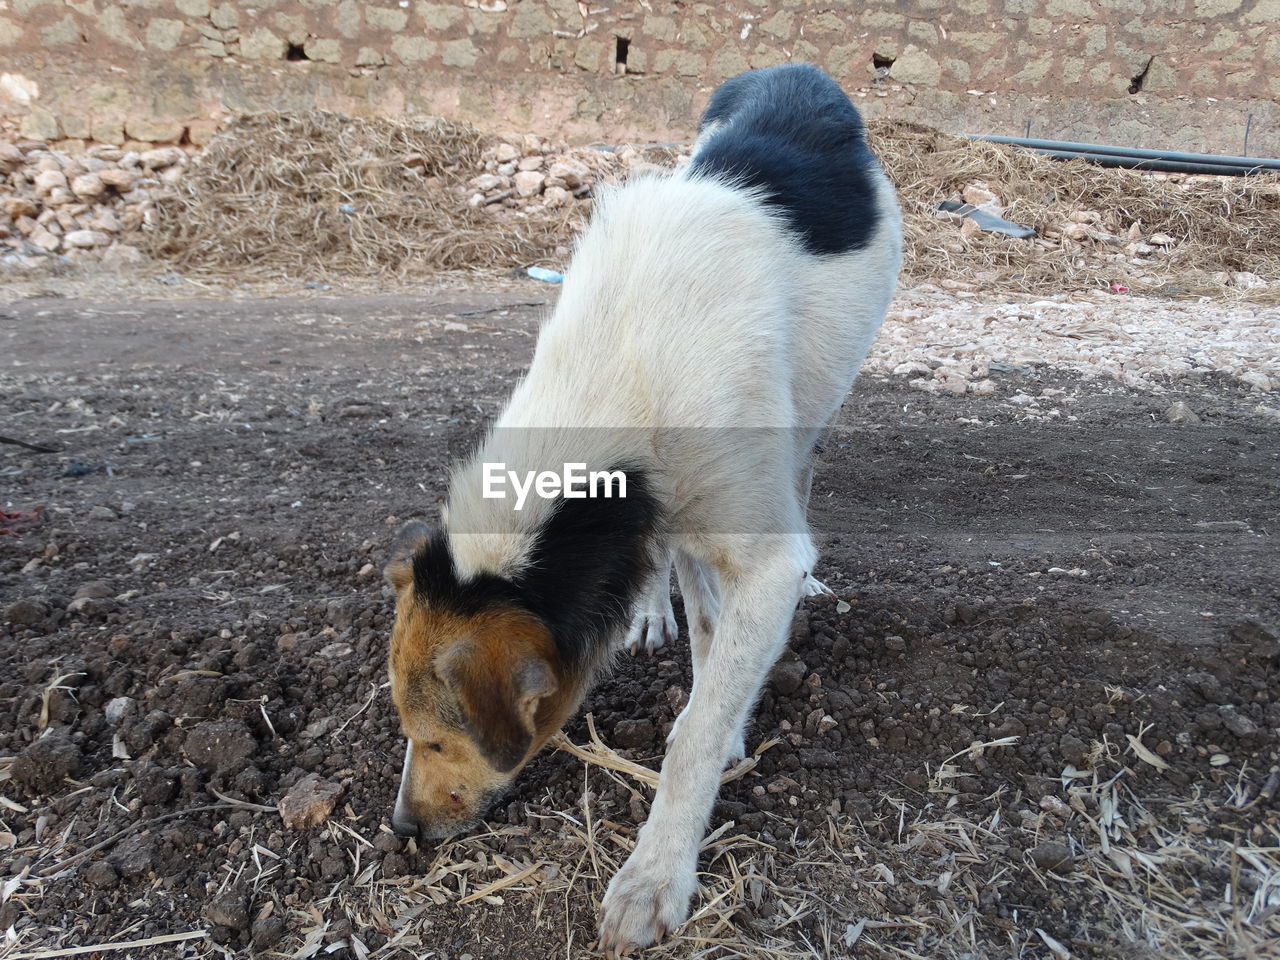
{"x":477,"y":695}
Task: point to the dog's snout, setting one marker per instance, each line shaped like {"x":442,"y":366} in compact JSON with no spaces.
{"x":404,"y":826}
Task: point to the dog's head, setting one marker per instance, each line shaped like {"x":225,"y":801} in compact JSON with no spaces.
{"x":477,"y":681}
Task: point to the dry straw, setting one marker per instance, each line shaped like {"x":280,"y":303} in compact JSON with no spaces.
{"x":311,"y":195}
{"x":1217,"y":225}
{"x":318,"y":194}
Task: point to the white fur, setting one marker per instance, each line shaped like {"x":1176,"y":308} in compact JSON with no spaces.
{"x":690,"y":313}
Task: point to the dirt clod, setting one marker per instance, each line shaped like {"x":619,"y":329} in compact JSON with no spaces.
{"x":1052,"y":856}
{"x":268,"y":931}
{"x":45,"y":764}
{"x":229,"y":909}
{"x":218,"y":744}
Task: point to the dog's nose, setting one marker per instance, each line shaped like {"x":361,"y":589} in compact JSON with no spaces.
{"x":404,"y":826}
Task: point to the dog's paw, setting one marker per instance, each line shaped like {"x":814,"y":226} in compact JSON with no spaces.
{"x":647,"y":899}
{"x":813,"y":587}
{"x":650,"y":630}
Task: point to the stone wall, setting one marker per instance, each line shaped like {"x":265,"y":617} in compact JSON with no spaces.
{"x":1180,"y":73}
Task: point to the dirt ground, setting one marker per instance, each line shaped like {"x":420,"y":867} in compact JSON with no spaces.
{"x":1038,"y":720}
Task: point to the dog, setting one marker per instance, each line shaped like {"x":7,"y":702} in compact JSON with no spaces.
{"x":710,"y":325}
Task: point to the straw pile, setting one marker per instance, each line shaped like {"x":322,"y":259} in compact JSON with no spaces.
{"x":321,"y":194}
{"x":1173,"y":234}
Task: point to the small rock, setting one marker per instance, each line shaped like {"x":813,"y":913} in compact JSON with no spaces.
{"x":229,"y":909}
{"x":119,"y":178}
{"x":101,"y":875}
{"x":15,"y":207}
{"x":94,"y":590}
{"x":87,"y":186}
{"x":978,"y":194}
{"x":1053,"y":857}
{"x":633,"y":734}
{"x":529,"y":182}
{"x":267,"y":931}
{"x":788,"y":675}
{"x":116,"y":709}
{"x":1235,"y":721}
{"x":574,"y":173}
{"x":1255,"y":379}
{"x":556,"y":197}
{"x":1181,"y":413}
{"x":27,"y":613}
{"x":336,"y":650}
{"x":86,"y":239}
{"x":530,"y":163}
{"x":506,"y":153}
{"x":309,"y":802}
{"x":47,"y":181}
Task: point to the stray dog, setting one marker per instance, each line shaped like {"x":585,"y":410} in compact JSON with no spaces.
{"x":709,"y":329}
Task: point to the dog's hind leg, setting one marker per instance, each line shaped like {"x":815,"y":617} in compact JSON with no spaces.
{"x":654,"y":622}
{"x":651,"y":893}
{"x":813,"y":587}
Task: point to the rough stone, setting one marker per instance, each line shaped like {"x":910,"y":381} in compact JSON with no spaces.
{"x":460,"y":53}
{"x":262,"y":44}
{"x":84,"y":240}
{"x":40,"y":124}
{"x":915,"y":66}
{"x":153,"y":131}
{"x":163,"y":34}
{"x":323,"y":50}
{"x":309,"y":802}
{"x":225,"y":16}
{"x":530,"y":21}
{"x":87,"y":186}
{"x":1179,"y":412}
{"x":529,"y":182}
{"x":413,"y":49}
{"x":439,"y":16}
{"x":392,"y":20}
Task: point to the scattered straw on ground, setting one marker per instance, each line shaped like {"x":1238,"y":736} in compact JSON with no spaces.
{"x":317,"y":193}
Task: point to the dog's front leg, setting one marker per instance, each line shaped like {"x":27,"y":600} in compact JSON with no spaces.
{"x":650,"y":895}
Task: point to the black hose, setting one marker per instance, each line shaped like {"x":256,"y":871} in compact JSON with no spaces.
{"x":1160,"y":166}
{"x":1091,"y":151}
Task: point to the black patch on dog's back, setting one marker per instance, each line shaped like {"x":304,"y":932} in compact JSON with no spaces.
{"x":791,"y":132}
{"x":588,"y":563}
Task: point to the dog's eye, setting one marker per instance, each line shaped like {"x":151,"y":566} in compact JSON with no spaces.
{"x":434,"y":746}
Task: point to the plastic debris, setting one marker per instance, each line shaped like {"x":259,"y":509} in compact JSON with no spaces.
{"x":986,"y":221}
{"x":547,"y":276}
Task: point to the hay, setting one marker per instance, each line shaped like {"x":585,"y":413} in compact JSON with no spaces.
{"x":1218,"y":225}
{"x":318,"y":194}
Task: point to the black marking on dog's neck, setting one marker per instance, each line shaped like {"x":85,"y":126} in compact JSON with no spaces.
{"x":589,"y":561}
{"x":791,"y":132}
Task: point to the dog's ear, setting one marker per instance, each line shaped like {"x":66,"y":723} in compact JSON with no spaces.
{"x":499,"y":675}
{"x":410,"y":538}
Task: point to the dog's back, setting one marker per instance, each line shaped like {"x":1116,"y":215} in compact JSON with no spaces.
{"x":791,"y":132}
{"x":791,"y":135}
